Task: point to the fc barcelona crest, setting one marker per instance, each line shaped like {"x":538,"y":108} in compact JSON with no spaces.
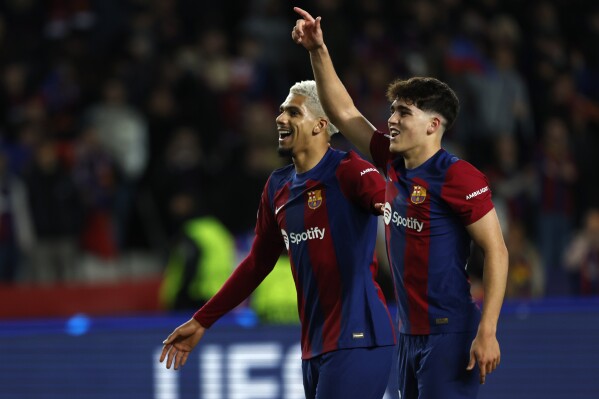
{"x":418,"y":195}
{"x":314,"y":199}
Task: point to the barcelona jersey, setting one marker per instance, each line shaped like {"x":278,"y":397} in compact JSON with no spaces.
{"x":325,"y":220}
{"x":426,"y":213}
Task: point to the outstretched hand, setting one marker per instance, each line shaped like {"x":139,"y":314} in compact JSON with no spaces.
{"x":181,"y":342}
{"x":307,"y":31}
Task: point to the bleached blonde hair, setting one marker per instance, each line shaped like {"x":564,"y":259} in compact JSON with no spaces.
{"x":307,"y":88}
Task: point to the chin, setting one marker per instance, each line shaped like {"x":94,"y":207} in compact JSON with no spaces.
{"x":395,"y":149}
{"x":284,"y":152}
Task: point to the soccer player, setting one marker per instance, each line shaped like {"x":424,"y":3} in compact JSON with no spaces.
{"x":435,"y":205}
{"x":321,"y":210}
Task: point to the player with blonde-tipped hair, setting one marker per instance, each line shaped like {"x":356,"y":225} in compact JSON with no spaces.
{"x":321,"y":211}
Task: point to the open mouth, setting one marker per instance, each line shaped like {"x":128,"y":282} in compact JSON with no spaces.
{"x":392,"y":134}
{"x":283,"y":134}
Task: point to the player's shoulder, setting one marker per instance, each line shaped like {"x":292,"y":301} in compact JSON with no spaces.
{"x":463,"y":177}
{"x":352,"y":158}
{"x":354,"y":163}
{"x":457,"y":166}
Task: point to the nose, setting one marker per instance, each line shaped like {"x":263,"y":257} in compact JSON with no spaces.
{"x":393,"y":118}
{"x":280,"y":117}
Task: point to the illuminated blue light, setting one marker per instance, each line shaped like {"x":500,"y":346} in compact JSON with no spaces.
{"x":78,"y":324}
{"x":246,"y":317}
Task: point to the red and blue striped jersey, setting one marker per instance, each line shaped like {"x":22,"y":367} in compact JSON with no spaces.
{"x":426,"y":213}
{"x":325,"y":220}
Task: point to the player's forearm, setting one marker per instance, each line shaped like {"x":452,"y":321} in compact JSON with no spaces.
{"x":494,"y":283}
{"x":236,"y":289}
{"x":244,"y":280}
{"x":336,"y":101}
{"x":333,"y":94}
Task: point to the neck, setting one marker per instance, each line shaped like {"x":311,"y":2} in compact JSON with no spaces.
{"x":308,"y":159}
{"x":415,"y":157}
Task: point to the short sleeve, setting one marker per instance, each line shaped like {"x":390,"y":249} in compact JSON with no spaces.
{"x":467,"y":192}
{"x":361,"y":182}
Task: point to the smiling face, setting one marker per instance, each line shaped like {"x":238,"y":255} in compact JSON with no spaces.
{"x":414,"y":134}
{"x":296,"y":125}
{"x":410,"y":128}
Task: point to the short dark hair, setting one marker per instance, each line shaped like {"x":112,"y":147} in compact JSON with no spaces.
{"x":428,"y":94}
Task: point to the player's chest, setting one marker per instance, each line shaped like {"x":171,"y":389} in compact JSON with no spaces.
{"x":305,"y":204}
{"x":412,"y":192}
{"x":413,"y":200}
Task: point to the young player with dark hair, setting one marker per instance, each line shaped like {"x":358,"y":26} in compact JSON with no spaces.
{"x":435,"y":205}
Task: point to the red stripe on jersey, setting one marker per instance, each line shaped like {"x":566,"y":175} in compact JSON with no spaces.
{"x":326,"y":274}
{"x":416,"y":266}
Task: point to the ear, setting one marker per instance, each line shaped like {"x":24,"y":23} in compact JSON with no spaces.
{"x":321,"y":126}
{"x":434,"y":125}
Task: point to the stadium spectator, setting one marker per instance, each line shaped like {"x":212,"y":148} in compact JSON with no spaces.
{"x":581,"y":258}
{"x":96,"y":175}
{"x":557,"y":174}
{"x":57,"y":212}
{"x":201,"y":256}
{"x":16,"y":230}
{"x":526,"y":276}
{"x":122,"y":131}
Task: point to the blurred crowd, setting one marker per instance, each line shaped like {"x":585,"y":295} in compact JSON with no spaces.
{"x":121,"y":120}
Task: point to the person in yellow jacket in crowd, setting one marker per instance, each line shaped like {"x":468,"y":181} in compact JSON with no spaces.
{"x":201,"y":258}
{"x":275,"y":299}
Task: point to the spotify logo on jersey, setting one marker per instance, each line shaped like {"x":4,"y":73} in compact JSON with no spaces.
{"x":392,"y":217}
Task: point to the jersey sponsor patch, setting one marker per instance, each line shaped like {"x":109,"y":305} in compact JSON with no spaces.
{"x":477,"y":192}
{"x":314,"y":199}
{"x":313,"y":233}
{"x":362,"y":173}
{"x":392,"y":217}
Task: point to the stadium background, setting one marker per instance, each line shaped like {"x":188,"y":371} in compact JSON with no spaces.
{"x":120,"y":120}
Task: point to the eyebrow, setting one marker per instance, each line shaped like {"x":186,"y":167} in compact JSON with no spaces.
{"x":402,"y":108}
{"x":289,"y":108}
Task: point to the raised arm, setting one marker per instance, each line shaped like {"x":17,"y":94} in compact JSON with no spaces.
{"x":334,"y":97}
{"x":486,"y":233}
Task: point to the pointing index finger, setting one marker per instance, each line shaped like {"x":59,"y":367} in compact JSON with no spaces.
{"x":305,"y":14}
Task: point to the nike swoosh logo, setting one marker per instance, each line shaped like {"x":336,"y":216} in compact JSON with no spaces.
{"x":278,"y":209}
